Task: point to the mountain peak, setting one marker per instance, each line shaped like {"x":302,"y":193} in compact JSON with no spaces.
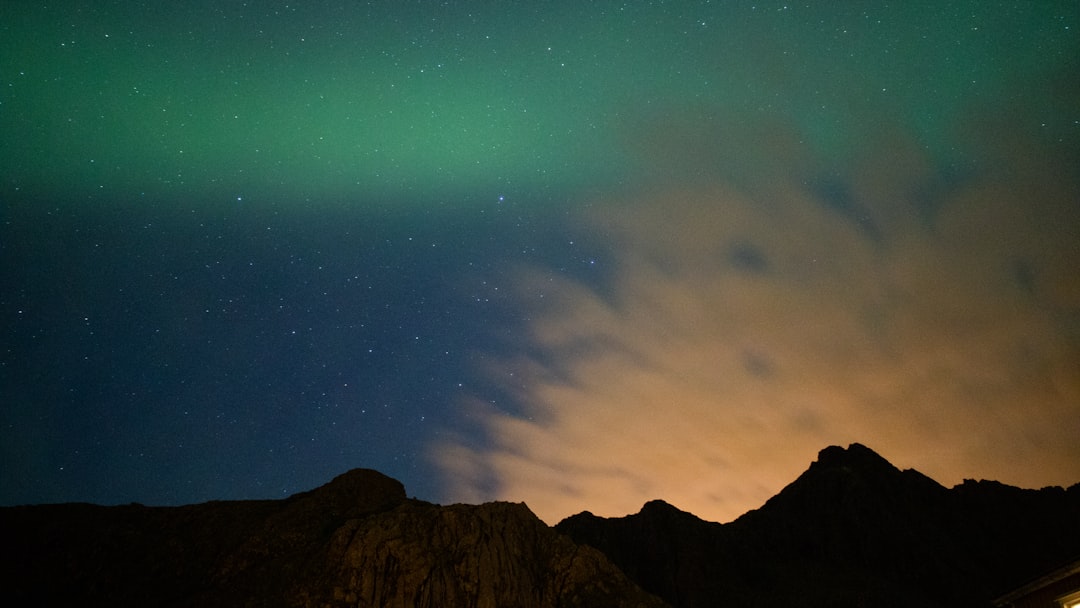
{"x":855,"y":457}
{"x":355,"y":492}
{"x":855,"y":479}
{"x":659,"y":510}
{"x":364,"y":482}
{"x":857,"y":466}
{"x":659,"y":506}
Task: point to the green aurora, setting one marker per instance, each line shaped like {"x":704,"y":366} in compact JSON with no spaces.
{"x":219,"y":101}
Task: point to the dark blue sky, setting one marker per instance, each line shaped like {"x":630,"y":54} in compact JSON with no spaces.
{"x":577,"y":254}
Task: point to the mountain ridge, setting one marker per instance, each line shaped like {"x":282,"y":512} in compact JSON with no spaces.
{"x":356,"y":541}
{"x":851,"y":530}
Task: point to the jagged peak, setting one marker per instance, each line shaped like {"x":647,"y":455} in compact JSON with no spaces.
{"x":852,"y":475}
{"x":860,"y":462}
{"x":856,"y":456}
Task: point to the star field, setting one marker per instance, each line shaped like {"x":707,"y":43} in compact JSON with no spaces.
{"x":580,"y":254}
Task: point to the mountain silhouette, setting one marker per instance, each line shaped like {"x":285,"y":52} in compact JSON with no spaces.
{"x":851,"y":531}
{"x":357,"y":541}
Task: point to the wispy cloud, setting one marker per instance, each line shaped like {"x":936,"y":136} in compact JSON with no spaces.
{"x":933,"y":317}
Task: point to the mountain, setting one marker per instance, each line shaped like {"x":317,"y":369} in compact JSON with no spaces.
{"x":357,"y":541}
{"x":853,"y":530}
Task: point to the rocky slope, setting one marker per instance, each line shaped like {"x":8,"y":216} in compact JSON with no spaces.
{"x":851,"y":531}
{"x":357,"y":541}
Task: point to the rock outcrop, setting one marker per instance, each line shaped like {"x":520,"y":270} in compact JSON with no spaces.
{"x":358,"y":541}
{"x":851,"y":531}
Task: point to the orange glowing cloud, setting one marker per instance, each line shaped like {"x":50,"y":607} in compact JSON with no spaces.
{"x":741,"y":333}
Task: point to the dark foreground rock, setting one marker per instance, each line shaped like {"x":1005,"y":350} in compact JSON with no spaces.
{"x":851,"y":531}
{"x":357,"y":541}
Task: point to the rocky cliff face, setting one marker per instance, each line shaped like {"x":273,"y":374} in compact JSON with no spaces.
{"x":498,"y":554}
{"x":357,"y":541}
{"x":851,"y":531}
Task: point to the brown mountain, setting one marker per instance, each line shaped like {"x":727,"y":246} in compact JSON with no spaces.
{"x":851,"y":531}
{"x":357,"y":541}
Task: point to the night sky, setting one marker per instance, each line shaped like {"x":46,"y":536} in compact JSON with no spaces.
{"x":578,"y":254}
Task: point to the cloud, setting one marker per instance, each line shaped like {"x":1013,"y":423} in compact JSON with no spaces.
{"x":932,"y":316}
